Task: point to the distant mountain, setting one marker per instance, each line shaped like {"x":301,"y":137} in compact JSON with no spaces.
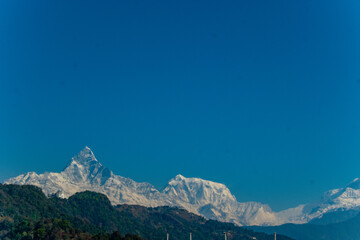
{"x":334,"y":206}
{"x":26,"y":213}
{"x":346,"y":230}
{"x":214,"y":201}
{"x":83,"y":173}
{"x":209,"y":199}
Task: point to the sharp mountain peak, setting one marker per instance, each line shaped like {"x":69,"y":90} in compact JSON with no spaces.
{"x":210,"y":199}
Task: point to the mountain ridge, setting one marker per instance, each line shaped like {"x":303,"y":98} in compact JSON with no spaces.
{"x":92,"y":214}
{"x":209,"y":199}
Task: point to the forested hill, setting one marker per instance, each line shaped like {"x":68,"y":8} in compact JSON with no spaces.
{"x":26,"y":213}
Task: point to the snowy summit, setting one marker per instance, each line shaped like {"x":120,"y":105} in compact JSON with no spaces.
{"x":209,"y":199}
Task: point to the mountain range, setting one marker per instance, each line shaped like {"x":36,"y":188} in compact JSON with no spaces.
{"x":27,"y":214}
{"x":206,"y":198}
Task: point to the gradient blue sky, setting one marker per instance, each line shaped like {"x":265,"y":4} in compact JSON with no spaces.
{"x":262,"y":96}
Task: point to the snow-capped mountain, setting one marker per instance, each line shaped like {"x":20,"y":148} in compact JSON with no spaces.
{"x":215,"y":201}
{"x":344,"y":202}
{"x":209,"y":199}
{"x":336,"y":200}
{"x":84,"y":172}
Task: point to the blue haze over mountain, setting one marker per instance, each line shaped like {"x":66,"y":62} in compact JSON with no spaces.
{"x":262,"y":96}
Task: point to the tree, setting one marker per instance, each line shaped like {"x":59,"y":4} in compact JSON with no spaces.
{"x":116,"y":236}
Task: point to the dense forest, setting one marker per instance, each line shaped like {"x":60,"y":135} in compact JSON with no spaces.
{"x":26,"y":213}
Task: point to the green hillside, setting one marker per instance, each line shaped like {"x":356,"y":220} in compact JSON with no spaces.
{"x":26,"y":213}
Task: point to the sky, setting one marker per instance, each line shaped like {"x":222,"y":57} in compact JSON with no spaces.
{"x":263,"y":96}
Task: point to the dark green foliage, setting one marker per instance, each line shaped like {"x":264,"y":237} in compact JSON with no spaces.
{"x":29,"y":201}
{"x":116,"y":236}
{"x":90,"y":215}
{"x":58,"y":229}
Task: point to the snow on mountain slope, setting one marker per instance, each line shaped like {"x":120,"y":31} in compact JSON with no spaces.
{"x":84,"y":172}
{"x":215,"y":201}
{"x":209,"y":199}
{"x":197,"y":191}
{"x":342,"y":199}
{"x":334,"y":201}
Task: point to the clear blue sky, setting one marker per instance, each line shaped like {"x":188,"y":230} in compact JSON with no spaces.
{"x":263,"y":96}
